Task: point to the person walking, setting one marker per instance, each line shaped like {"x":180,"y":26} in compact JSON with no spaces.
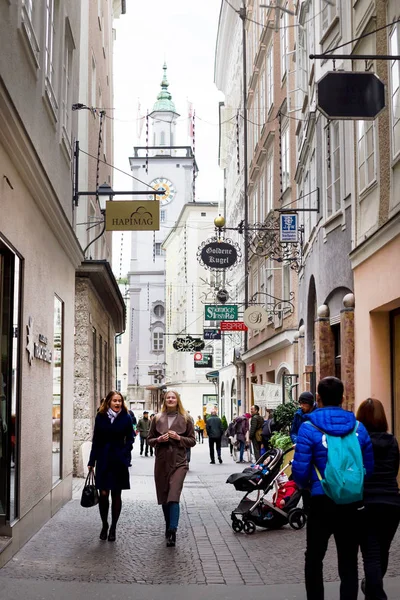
{"x":199,"y":428}
{"x":255,"y":434}
{"x":311,"y":463}
{"x":381,"y":517}
{"x":171,"y":433}
{"x":111,"y":458}
{"x":306,"y":406}
{"x":241,"y":429}
{"x":143,"y":428}
{"x":215,"y":432}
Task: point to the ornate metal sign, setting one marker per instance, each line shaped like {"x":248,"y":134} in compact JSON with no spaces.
{"x":188,"y":344}
{"x":255,"y":317}
{"x":218,"y":255}
{"x":265,"y":241}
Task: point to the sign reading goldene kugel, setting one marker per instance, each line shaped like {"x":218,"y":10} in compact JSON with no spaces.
{"x":219,"y":255}
{"x":135,"y":215}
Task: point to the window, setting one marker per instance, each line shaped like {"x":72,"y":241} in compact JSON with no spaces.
{"x":57,"y":387}
{"x":118,"y":386}
{"x":270,"y":180}
{"x":159,"y":310}
{"x":118,"y":361}
{"x":332,"y":139}
{"x":262,"y":197}
{"x":67,"y":84}
{"x":328,"y":14}
{"x":284,"y":41}
{"x":366,"y":154}
{"x":158,"y":341}
{"x":302,"y":62}
{"x":31,"y":25}
{"x":394,"y":45}
{"x":286,"y":282}
{"x":285,"y":156}
{"x":157,"y":249}
{"x":118,"y":339}
{"x":270,"y":77}
{"x":163,"y":216}
{"x":262,"y":96}
{"x":50,"y":48}
{"x":255,"y":203}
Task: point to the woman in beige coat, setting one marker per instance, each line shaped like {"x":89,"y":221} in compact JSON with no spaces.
{"x":171,"y":433}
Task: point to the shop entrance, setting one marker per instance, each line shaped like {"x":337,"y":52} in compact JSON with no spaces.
{"x":10,"y":275}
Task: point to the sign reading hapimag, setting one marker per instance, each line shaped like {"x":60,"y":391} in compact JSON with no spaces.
{"x":135,"y":215}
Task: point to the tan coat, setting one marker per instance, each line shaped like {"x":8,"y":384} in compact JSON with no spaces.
{"x":170,"y":465}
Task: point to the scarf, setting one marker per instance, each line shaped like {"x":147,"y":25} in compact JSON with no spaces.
{"x":112,"y":415}
{"x":171,"y":418}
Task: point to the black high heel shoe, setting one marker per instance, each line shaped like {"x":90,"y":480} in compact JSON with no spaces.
{"x":171,"y":538}
{"x":103,"y":532}
{"x":111,"y":535}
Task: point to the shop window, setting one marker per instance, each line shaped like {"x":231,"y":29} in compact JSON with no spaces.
{"x":57,"y":387}
{"x":10,"y":327}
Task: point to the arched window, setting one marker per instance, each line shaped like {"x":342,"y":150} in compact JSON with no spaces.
{"x":159,"y":310}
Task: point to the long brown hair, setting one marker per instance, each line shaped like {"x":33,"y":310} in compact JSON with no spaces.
{"x":105,"y":403}
{"x":179,"y":406}
{"x":372,"y":415}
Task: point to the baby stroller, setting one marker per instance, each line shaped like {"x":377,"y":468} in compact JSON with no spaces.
{"x":260,"y":512}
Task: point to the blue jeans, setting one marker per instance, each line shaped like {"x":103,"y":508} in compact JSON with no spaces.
{"x":171,"y":512}
{"x":241,"y":450}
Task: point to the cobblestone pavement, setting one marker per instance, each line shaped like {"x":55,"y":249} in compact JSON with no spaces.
{"x":208,"y":552}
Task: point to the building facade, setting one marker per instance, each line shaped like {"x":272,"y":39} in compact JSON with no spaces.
{"x":161,"y":164}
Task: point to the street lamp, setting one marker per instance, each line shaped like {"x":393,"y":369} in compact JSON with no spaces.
{"x":103,"y":191}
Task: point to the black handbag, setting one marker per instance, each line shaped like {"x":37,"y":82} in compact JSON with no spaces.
{"x":90,"y":495}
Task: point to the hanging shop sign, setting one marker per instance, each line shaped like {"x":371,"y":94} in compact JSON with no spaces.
{"x":203,"y":361}
{"x":350,"y":95}
{"x":218,"y":255}
{"x":288,"y":227}
{"x":37,"y":349}
{"x":216,"y":312}
{"x":211,"y":334}
{"x":188,"y":344}
{"x":233,"y":326}
{"x":133,"y":215}
{"x":255,"y":317}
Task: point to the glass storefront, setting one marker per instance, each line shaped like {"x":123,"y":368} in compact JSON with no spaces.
{"x":10,"y":283}
{"x":57,"y":388}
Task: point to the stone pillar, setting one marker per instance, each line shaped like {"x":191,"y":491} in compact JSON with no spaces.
{"x":307,"y":378}
{"x":347,"y":350}
{"x":324,"y":345}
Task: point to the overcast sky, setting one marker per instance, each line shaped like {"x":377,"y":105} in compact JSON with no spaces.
{"x":183,"y":33}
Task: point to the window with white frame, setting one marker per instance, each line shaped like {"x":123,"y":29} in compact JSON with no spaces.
{"x":270,"y":180}
{"x":329,"y":10}
{"x":285,"y":156}
{"x":118,"y":361}
{"x":366,"y":154}
{"x":67,"y":82}
{"x":269,"y":273}
{"x":118,"y":386}
{"x":254,"y":280}
{"x":261,"y":86}
{"x":302,"y":61}
{"x":262,"y":197}
{"x":284,"y":41}
{"x":332,"y":170}
{"x":163,"y":216}
{"x":394,"y":46}
{"x":158,"y":340}
{"x":50,"y":41}
{"x":255,"y":203}
{"x":269,"y":72}
{"x":157,"y":249}
{"x":286,"y":282}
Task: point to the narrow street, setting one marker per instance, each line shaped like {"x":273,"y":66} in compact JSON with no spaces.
{"x":66,"y":559}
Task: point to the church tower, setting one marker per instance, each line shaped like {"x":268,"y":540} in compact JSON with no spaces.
{"x":162,"y":164}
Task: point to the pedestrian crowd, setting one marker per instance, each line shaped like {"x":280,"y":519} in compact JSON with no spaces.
{"x":345,"y":465}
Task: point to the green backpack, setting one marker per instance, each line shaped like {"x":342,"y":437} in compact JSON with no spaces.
{"x":344,"y":473}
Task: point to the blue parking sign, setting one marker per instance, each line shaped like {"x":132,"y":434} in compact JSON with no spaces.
{"x":288,"y":227}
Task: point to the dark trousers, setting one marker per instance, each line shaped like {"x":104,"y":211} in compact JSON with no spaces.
{"x":379,"y":525}
{"x":200,"y":436}
{"x":325,"y":518}
{"x":144,"y":442}
{"x":217,"y":443}
{"x":256,"y":449}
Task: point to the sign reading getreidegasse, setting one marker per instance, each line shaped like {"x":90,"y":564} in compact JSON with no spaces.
{"x":134,"y":215}
{"x":219,"y":255}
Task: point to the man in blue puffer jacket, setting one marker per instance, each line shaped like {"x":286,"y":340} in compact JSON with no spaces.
{"x":325,"y":518}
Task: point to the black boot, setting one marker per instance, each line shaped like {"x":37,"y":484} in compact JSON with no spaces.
{"x":171,"y":538}
{"x":112,"y":536}
{"x":104,"y":531}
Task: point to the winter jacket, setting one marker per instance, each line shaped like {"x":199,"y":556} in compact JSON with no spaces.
{"x":214,"y":427}
{"x":241,"y":428}
{"x":256,"y":422}
{"x":298,"y":420}
{"x":310,"y":450}
{"x":381,"y":487}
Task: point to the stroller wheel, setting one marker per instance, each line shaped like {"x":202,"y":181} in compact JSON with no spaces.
{"x":297,"y":518}
{"x":249,"y":527}
{"x":237,"y":525}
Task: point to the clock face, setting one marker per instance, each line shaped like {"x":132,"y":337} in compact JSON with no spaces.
{"x":161,"y":183}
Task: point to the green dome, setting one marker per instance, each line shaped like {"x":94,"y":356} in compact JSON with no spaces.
{"x":164,"y":99}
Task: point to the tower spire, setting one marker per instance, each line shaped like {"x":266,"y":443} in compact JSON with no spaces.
{"x":164,"y":99}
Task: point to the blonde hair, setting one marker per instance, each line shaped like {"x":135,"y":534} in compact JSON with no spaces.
{"x":105,"y":403}
{"x":180,"y":408}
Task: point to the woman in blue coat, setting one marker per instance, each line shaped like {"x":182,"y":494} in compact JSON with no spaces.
{"x":111,"y":454}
